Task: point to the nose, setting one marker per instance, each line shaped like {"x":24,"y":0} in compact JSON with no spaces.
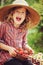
{"x":20,"y":14}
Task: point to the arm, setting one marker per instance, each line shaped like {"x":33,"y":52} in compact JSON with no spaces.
{"x":29,"y":49}
{"x":4,"y":47}
{"x":26,"y":46}
{"x":11,"y":50}
{"x":2,"y":31}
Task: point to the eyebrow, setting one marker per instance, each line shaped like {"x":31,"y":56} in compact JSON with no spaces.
{"x":18,"y":11}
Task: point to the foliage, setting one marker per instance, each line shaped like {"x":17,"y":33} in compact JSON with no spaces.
{"x":35,"y":40}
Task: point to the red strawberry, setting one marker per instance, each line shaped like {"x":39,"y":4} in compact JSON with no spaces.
{"x":20,"y":52}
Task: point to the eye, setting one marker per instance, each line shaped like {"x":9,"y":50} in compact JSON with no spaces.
{"x":17,"y":11}
{"x":22,"y":12}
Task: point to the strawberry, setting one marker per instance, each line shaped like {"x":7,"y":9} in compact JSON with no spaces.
{"x":21,"y":52}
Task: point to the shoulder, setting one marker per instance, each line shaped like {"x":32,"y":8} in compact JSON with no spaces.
{"x":24,"y":31}
{"x":4,"y":23}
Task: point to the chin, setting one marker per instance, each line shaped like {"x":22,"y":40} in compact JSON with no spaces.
{"x":18,"y":22}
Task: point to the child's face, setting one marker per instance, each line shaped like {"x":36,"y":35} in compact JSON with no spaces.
{"x":19,"y":15}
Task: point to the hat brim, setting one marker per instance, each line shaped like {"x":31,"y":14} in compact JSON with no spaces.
{"x":35,"y":17}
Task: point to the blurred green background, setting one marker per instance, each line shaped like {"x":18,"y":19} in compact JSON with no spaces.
{"x":35,"y":35}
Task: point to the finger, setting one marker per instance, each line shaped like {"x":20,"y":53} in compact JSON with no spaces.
{"x":25,"y":55}
{"x":16,"y":51}
{"x":25,"y":52}
{"x":13,"y":55}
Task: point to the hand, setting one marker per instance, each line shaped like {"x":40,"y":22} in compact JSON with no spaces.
{"x":12,"y":51}
{"x":30,"y":52}
{"x":23,"y":54}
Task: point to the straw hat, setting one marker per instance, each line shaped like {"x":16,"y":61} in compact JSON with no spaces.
{"x":34,"y":16}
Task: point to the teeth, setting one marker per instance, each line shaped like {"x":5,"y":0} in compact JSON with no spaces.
{"x":18,"y":18}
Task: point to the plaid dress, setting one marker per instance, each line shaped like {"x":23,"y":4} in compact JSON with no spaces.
{"x":11,"y":36}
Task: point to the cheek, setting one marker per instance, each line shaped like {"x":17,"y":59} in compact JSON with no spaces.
{"x":14,"y":15}
{"x":23,"y":17}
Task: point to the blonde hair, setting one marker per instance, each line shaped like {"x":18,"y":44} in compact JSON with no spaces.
{"x":27,"y":20}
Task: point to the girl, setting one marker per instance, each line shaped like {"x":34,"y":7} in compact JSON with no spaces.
{"x":16,"y":19}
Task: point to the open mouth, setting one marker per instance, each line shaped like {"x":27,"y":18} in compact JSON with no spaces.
{"x":18,"y":19}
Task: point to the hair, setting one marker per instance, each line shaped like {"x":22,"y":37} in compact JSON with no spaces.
{"x":9,"y":17}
